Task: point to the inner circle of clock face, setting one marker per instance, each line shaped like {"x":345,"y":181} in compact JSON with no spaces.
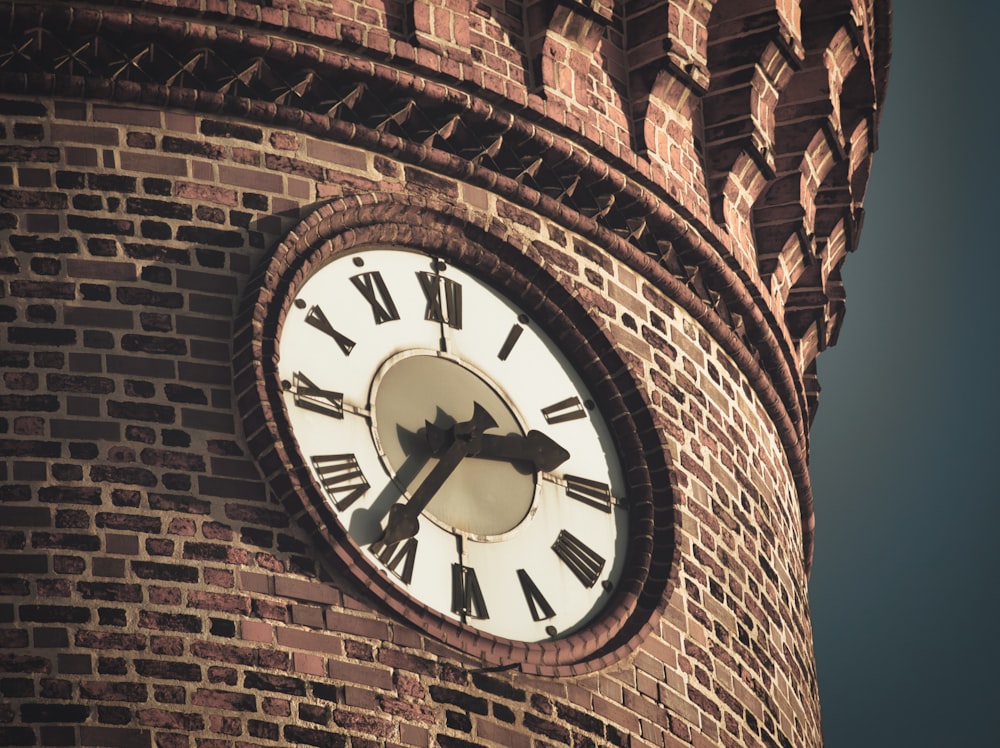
{"x":419,"y":392}
{"x":459,"y":451}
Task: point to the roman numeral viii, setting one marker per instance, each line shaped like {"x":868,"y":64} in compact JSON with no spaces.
{"x":373,"y":288}
{"x":585,"y":563}
{"x":341,"y":478}
{"x":444,"y":299}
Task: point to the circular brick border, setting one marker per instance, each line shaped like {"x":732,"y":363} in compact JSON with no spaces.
{"x":484,"y":248}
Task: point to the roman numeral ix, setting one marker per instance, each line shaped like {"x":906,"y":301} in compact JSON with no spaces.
{"x":306,"y":394}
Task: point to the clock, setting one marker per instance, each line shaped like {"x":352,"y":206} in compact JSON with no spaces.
{"x":457,"y":449}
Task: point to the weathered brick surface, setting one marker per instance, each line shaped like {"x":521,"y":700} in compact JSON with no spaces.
{"x":151,"y":589}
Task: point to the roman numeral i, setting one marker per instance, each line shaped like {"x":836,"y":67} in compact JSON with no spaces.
{"x":466,"y":595}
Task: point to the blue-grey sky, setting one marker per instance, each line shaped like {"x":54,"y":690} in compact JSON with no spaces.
{"x":905,"y":454}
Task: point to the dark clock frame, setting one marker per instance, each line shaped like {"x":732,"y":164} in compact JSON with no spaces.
{"x":488,"y":249}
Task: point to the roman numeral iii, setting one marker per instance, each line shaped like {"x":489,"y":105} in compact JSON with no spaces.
{"x":373,"y":288}
{"x":585,"y":563}
{"x":341,"y":478}
{"x":444,"y":299}
{"x":590,"y":492}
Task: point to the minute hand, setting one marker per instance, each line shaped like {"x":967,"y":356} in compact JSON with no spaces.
{"x":402,"y":522}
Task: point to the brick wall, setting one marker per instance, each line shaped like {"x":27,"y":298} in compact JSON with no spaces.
{"x":152,"y":591}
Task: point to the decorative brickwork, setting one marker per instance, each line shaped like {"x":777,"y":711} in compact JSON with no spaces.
{"x":686,"y":176}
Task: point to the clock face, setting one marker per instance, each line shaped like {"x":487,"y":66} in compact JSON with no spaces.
{"x":454,"y":443}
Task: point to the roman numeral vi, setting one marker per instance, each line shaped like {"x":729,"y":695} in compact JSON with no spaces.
{"x":466,"y":595}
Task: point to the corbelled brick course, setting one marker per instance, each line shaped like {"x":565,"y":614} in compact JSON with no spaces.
{"x":152,"y":589}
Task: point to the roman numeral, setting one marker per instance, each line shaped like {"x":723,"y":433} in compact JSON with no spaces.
{"x":585,"y":563}
{"x":317,"y":319}
{"x":444,"y":299}
{"x":466,"y":596}
{"x":590,"y":492}
{"x":565,"y":410}
{"x":508,"y":344}
{"x":403,"y":553}
{"x":341,"y":478}
{"x":537,"y":604}
{"x":307,"y":395}
{"x":373,"y":288}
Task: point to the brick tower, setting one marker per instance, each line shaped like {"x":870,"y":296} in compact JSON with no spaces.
{"x":653,"y":198}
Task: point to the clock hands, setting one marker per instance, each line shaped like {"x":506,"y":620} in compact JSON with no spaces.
{"x":402,"y":522}
{"x":534,"y":447}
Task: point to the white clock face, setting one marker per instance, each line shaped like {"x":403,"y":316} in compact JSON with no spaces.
{"x":454,"y":443}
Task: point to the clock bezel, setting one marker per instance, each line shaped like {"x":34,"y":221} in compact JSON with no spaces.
{"x":515,"y":269}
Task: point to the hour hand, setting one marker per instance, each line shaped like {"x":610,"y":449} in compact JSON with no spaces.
{"x":534,"y":447}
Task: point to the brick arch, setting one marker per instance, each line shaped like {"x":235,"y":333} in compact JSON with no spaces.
{"x":576,"y":62}
{"x":498,"y":42}
{"x":753,"y":48}
{"x":667,"y":78}
{"x":808,"y":220}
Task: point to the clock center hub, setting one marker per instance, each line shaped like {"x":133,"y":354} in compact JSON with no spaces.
{"x":481,"y":498}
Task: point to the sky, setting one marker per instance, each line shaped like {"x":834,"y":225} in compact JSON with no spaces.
{"x":904,"y":447}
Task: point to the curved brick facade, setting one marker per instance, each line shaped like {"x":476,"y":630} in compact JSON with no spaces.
{"x":689,"y":174}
